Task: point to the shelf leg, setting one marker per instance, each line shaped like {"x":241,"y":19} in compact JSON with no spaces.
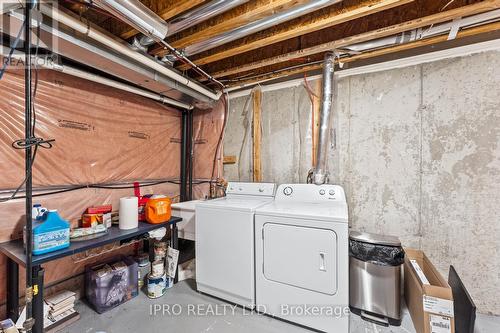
{"x":12,"y":289}
{"x":175,"y":245}
{"x":38,"y":273}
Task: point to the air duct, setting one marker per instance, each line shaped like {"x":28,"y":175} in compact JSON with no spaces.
{"x":126,"y":50}
{"x":257,"y":26}
{"x":201,"y":14}
{"x":191,"y":18}
{"x":422,"y":33}
{"x":137,"y":15}
{"x":47,"y":63}
{"x":319,"y":174}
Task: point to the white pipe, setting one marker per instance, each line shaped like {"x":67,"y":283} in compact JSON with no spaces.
{"x":405,"y":37}
{"x":460,"y":51}
{"x":122,"y":86}
{"x":43,"y":62}
{"x":82,"y":28}
{"x":421,"y":33}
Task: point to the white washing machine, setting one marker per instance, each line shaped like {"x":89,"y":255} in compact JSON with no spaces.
{"x":301,"y":260}
{"x":225,"y":251}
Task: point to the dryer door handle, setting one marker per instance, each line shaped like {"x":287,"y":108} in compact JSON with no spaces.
{"x":322,"y":265}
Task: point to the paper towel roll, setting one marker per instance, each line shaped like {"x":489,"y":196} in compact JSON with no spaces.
{"x":129,"y":218}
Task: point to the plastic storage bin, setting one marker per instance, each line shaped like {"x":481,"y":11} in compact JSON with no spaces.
{"x":111,"y":284}
{"x":375,"y":277}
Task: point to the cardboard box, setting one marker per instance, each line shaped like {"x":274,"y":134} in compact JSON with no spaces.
{"x":427,"y":294}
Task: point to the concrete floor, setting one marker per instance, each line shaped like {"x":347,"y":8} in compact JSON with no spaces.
{"x":137,"y":315}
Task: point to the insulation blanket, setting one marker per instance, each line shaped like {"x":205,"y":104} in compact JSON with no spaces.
{"x":103,"y":135}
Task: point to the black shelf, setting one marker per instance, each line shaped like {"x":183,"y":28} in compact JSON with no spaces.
{"x":15,"y":249}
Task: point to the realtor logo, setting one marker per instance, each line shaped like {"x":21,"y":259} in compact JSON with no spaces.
{"x":44,"y":31}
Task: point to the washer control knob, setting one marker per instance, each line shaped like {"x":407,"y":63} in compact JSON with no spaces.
{"x":287,"y":190}
{"x":332,"y":192}
{"x":322,"y":192}
{"x":261,"y":190}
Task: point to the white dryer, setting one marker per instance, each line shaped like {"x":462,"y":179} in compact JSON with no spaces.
{"x":301,"y":242}
{"x":225,"y":251}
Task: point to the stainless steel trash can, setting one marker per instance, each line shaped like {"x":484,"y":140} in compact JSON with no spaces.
{"x":375,"y":277}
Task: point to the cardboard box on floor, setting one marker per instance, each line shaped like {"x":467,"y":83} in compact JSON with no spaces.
{"x":427,"y":294}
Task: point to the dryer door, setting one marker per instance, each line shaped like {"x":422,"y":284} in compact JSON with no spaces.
{"x":302,"y":257}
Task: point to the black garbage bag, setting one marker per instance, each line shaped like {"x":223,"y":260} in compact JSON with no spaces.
{"x":377,"y":254}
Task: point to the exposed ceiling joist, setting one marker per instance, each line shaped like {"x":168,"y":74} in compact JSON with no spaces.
{"x":232,"y":19}
{"x":328,"y":17}
{"x":399,"y":48}
{"x":448,"y":15}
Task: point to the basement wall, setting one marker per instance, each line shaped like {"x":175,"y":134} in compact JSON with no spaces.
{"x":417,"y":151}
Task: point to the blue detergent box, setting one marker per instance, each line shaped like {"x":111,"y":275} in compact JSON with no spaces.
{"x":51,"y":234}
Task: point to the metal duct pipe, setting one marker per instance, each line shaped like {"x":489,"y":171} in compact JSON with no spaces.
{"x":9,"y":6}
{"x":421,"y":33}
{"x":201,"y":14}
{"x":194,"y":17}
{"x":257,"y":26}
{"x":137,"y":15}
{"x":43,"y":62}
{"x":320,"y":172}
{"x":125,"y":50}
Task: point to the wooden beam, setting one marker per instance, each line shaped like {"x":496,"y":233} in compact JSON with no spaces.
{"x":448,"y":15}
{"x":171,"y":9}
{"x":315,"y":124}
{"x":257,"y":135}
{"x":231,"y":159}
{"x":402,"y":47}
{"x":236,"y":17}
{"x":325,"y":18}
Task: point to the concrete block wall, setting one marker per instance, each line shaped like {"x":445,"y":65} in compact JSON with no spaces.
{"x":417,"y":151}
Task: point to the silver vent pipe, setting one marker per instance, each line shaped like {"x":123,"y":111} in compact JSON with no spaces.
{"x":421,"y":33}
{"x":194,"y":17}
{"x":257,"y":26}
{"x":126,"y":50}
{"x":134,"y":13}
{"x":201,"y":14}
{"x":320,"y":173}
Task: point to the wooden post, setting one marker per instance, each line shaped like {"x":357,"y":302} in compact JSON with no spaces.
{"x":257,"y":135}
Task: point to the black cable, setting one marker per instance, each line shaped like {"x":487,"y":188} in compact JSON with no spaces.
{"x":11,"y":52}
{"x":33,"y":142}
{"x":97,"y":186}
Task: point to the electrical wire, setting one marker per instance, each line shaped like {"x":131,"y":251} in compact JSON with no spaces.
{"x":221,"y":137}
{"x":97,"y":186}
{"x":178,"y":54}
{"x":32,"y":142}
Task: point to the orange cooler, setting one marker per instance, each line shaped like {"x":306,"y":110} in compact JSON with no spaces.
{"x":158,"y":210}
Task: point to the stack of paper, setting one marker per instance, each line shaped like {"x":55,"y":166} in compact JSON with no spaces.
{"x":61,"y":309}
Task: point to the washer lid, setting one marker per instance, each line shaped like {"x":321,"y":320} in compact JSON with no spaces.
{"x":231,"y":203}
{"x":325,"y":211}
{"x":187,"y":206}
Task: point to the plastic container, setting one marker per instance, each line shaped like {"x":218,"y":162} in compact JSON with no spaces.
{"x":109,"y":285}
{"x":157,"y":286}
{"x":158,"y":210}
{"x":51,"y":234}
